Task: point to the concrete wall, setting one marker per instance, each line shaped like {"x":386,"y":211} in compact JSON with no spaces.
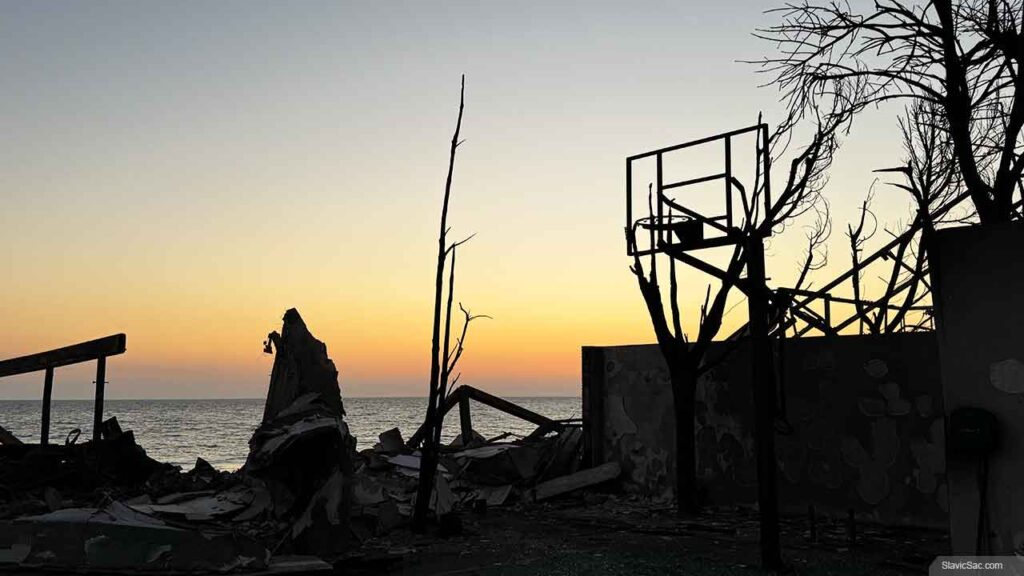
{"x":866,"y":415}
{"x":979,"y":277}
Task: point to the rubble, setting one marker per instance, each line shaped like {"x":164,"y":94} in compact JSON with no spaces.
{"x":302,"y":453}
{"x":303,"y":498}
{"x":391,"y":441}
{"x":291,"y":497}
{"x":117,"y":536}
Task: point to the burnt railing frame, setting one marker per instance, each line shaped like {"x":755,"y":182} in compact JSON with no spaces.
{"x":48,"y":361}
{"x":463,"y":394}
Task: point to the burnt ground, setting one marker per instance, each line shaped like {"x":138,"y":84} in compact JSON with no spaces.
{"x":615,"y":535}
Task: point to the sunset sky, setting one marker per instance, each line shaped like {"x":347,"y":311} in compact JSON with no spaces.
{"x":184,"y":172}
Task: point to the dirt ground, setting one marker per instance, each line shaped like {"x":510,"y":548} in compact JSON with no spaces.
{"x":606,"y":534}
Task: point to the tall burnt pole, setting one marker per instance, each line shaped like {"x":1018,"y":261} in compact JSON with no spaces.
{"x":763,"y":382}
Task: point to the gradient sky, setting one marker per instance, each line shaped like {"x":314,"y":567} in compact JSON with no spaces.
{"x":184,"y":172}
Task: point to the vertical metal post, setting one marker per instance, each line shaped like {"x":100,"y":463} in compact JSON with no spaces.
{"x":766,"y":158}
{"x":629,"y":206}
{"x":728,"y":182}
{"x":44,"y":431}
{"x":657,"y":199}
{"x":97,"y":416}
{"x":763,"y":381}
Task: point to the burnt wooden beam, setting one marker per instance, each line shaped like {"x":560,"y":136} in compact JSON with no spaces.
{"x":44,"y":431}
{"x":74,"y":354}
{"x":510,"y":408}
{"x":468,"y":392}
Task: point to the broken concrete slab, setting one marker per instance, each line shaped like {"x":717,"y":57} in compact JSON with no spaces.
{"x":203,"y":507}
{"x":411,"y":462}
{"x":116,"y":537}
{"x":576,"y":481}
{"x":493,"y":495}
{"x":391,"y":441}
{"x":499,"y":464}
{"x":294,"y":565}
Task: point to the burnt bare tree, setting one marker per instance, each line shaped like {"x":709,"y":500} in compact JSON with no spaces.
{"x":687,"y":357}
{"x":443,"y":363}
{"x":960,"y":62}
{"x":929,"y":175}
{"x":684,"y":358}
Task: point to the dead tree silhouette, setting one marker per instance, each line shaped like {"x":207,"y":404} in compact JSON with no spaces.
{"x":960,"y":62}
{"x":674,"y":230}
{"x":442,"y":364}
{"x":929,"y":175}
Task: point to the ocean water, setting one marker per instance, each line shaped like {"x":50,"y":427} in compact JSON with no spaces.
{"x":178,"y":431}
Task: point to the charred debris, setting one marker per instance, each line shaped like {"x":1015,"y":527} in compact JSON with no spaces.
{"x":304,"y":500}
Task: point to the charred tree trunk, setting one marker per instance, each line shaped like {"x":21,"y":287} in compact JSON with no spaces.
{"x":428,"y":461}
{"x":684,"y":387}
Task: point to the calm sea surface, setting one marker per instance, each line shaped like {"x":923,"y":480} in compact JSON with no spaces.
{"x":177,"y":431}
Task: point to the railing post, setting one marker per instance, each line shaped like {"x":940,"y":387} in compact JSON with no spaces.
{"x":97,"y":416}
{"x":44,"y":431}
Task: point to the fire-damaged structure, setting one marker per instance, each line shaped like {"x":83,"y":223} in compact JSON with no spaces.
{"x":897,"y":410}
{"x":304,"y":500}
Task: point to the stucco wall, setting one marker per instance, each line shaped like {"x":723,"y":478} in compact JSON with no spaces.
{"x":979,"y":278}
{"x":865,"y":411}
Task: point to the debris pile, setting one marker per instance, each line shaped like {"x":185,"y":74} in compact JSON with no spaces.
{"x":485,"y":474}
{"x":122,"y":510}
{"x":304,"y":497}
